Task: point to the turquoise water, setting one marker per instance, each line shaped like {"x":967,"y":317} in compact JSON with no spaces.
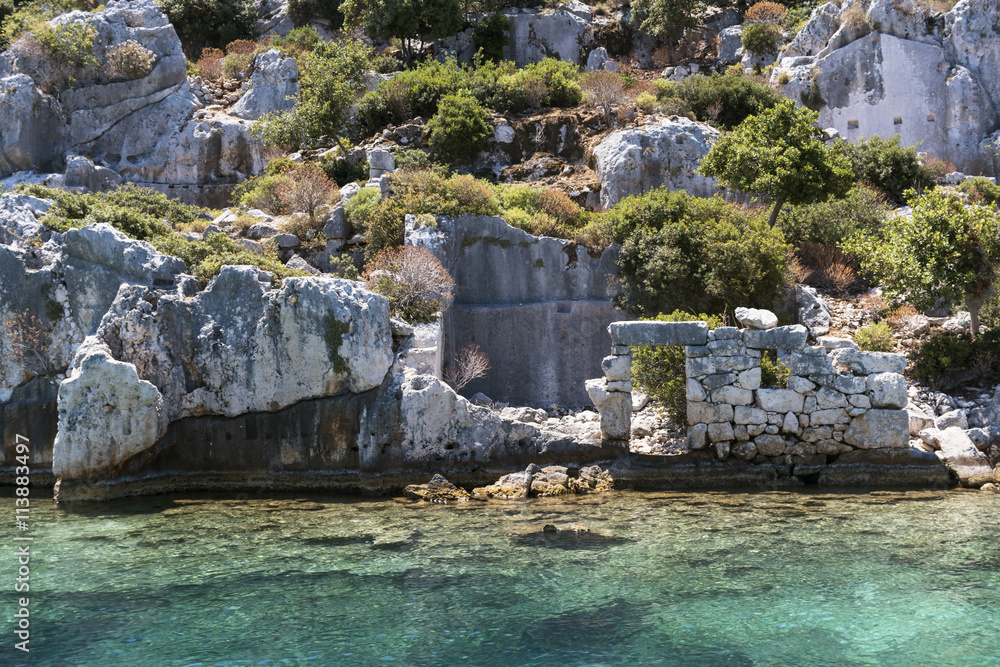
{"x":660,"y":579}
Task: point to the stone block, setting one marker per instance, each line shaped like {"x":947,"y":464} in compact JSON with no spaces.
{"x":746,"y":415}
{"x":781,"y":338}
{"x":822,"y":417}
{"x":336,"y":225}
{"x":952,"y":418}
{"x":617,"y":368}
{"x":697,"y":351}
{"x":620,"y":386}
{"x":749,"y":379}
{"x":859,"y":401}
{"x":817,"y":433}
{"x":869,"y":363}
{"x":878,"y":429}
{"x":831,"y":447}
{"x":725,"y":348}
{"x":772,"y":429}
{"x":728,"y":333}
{"x":730,"y":364}
{"x":616,"y":416}
{"x":827,"y":398}
{"x":770,"y":445}
{"x":756,"y":318}
{"x":697,"y":434}
{"x":790,"y":423}
{"x":744,"y":450}
{"x":810,"y":364}
{"x":887,"y":390}
{"x":717,"y":380}
{"x":780,"y":400}
{"x":699,"y":367}
{"x":835,"y":343}
{"x":695,"y":392}
{"x":800,"y":384}
{"x":722,"y":450}
{"x":919,"y":421}
{"x":850,"y":384}
{"x":754,"y":430}
{"x":740,"y":432}
{"x":621,"y":349}
{"x":709,"y":412}
{"x":658,"y":333}
{"x":720,"y":432}
{"x":732,"y":395}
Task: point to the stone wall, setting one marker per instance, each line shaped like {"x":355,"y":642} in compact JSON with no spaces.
{"x":834,"y":402}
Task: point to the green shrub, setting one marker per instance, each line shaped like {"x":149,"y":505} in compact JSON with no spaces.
{"x":760,"y":39}
{"x":648,"y":211}
{"x":876,"y":337}
{"x":201,"y":23}
{"x":343,"y":171}
{"x":385,"y":227}
{"x":886,"y":165}
{"x":947,"y":360}
{"x":710,"y":256}
{"x":981,"y":191}
{"x":298,"y":41}
{"x":562,"y":80}
{"x":646,"y":102}
{"x":71,"y":46}
{"x":490,"y":36}
{"x":237,"y":65}
{"x":723,"y":99}
{"x":773,"y":373}
{"x":206,"y":258}
{"x":360,"y":207}
{"x":19,"y":17}
{"x":659,"y":370}
{"x":410,"y":159}
{"x":385,"y":63}
{"x":862,"y":210}
{"x":461,"y":128}
{"x":303,"y":11}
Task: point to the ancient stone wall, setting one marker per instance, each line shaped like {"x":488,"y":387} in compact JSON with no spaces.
{"x":834,"y":402}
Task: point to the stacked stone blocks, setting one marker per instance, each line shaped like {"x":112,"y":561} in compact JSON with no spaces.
{"x":833,"y":403}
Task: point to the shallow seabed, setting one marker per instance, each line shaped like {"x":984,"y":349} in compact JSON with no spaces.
{"x":660,"y":579}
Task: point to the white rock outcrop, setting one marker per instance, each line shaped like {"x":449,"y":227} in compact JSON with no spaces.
{"x":548,"y":33}
{"x":901,"y":69}
{"x":274,"y":86}
{"x":662,"y":153}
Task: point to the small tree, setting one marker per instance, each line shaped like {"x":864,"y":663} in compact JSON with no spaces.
{"x":307,"y":190}
{"x":411,"y":21}
{"x":460,"y":129}
{"x":469,"y":363}
{"x":945,"y":251}
{"x":666,"y":20}
{"x":604,"y":90}
{"x":780,"y":153}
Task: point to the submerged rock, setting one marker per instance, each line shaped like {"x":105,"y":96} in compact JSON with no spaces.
{"x":548,"y":481}
{"x":438,"y":490}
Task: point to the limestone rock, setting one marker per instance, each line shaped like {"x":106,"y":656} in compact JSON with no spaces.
{"x":107,"y":414}
{"x":615,"y":408}
{"x":952,"y":418}
{"x":887,"y":390}
{"x":780,"y":400}
{"x":878,"y":429}
{"x":731,"y":45}
{"x":274,"y":86}
{"x":664,"y":153}
{"x":536,"y":35}
{"x":597,"y":58}
{"x":438,"y":490}
{"x":756,"y":318}
{"x":814,"y":312}
{"x":963,"y":458}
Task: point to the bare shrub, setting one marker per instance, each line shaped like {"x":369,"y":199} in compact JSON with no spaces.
{"x":130,"y":60}
{"x":872,"y":307}
{"x":901,"y":317}
{"x":397,"y":98}
{"x":938,"y":167}
{"x":603,"y":90}
{"x":468,"y":364}
{"x":534,"y":92}
{"x":29,"y":341}
{"x":770,"y":12}
{"x":307,"y":190}
{"x":241,"y":46}
{"x":415,"y":282}
{"x":855,"y":19}
{"x":210,"y":64}
{"x":828,"y":265}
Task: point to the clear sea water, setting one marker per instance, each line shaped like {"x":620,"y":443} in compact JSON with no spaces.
{"x":660,"y":579}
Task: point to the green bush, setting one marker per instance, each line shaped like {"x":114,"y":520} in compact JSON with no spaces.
{"x":981,"y":191}
{"x":490,"y":36}
{"x":385,"y":227}
{"x":773,"y":373}
{"x":659,"y":370}
{"x":410,"y":159}
{"x":210,"y":23}
{"x":886,"y":165}
{"x":862,"y":210}
{"x":303,"y":11}
{"x":20,"y":17}
{"x":237,"y":65}
{"x":343,"y":171}
{"x":428,"y":191}
{"x":710,"y":256}
{"x":460,"y":129}
{"x":876,"y":337}
{"x":760,"y":39}
{"x":206,"y":258}
{"x":723,"y":99}
{"x":359,"y":209}
{"x":947,"y":360}
{"x":561,"y":78}
{"x":130,"y":60}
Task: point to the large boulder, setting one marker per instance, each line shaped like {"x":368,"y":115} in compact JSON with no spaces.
{"x":274,"y":86}
{"x":661,"y":153}
{"x":142,"y":129}
{"x":931,"y":81}
{"x":548,"y":33}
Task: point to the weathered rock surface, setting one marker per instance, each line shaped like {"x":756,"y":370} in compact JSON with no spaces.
{"x":438,"y":490}
{"x":930,"y":80}
{"x":963,"y":458}
{"x":548,"y":481}
{"x":663,"y":153}
{"x":274,"y":86}
{"x":539,"y":34}
{"x":143,"y":129}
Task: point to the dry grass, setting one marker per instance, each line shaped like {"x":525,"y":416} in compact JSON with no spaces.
{"x":765,"y":12}
{"x":939,"y":167}
{"x":900,"y":317}
{"x":827,"y":266}
{"x":241,"y":46}
{"x":872,"y":306}
{"x":854,"y":19}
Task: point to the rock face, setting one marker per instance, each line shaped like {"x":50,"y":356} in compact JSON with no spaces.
{"x":663,"y":153}
{"x":903,"y":71}
{"x":236,"y":348}
{"x":143,"y":129}
{"x":553,"y":33}
{"x":274,"y":86}
{"x":511,"y":285}
{"x":963,"y":459}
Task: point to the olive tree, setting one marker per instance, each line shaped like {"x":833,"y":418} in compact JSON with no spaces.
{"x":780,"y":153}
{"x":945,"y":251}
